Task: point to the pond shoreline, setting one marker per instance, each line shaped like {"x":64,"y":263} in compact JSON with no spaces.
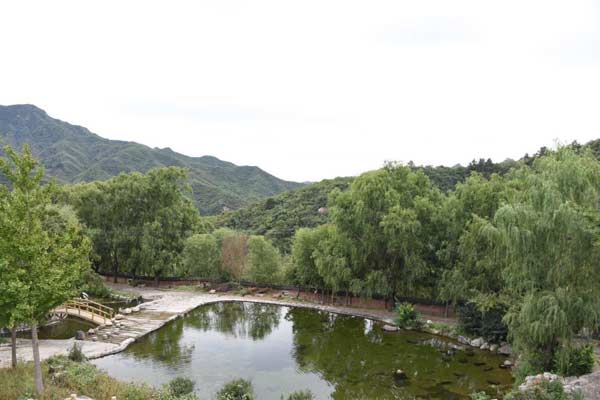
{"x":161,"y":307}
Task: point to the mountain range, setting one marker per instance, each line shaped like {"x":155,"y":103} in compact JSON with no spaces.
{"x":72,"y":153}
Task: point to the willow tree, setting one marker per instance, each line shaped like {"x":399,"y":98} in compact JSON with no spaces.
{"x":548,"y":243}
{"x":43,"y":252}
{"x":263,"y":261}
{"x":389,"y":218}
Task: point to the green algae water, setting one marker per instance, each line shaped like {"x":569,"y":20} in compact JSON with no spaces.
{"x":283,"y":349}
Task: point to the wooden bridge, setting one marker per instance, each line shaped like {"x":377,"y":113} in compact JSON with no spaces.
{"x":86,"y":309}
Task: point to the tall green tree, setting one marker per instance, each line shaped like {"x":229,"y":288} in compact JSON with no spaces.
{"x":201,"y":256}
{"x":388,"y":216}
{"x":43,"y":250}
{"x":263,"y":260}
{"x":549,"y":236}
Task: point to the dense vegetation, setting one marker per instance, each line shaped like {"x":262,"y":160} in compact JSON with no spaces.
{"x":279,"y":217}
{"x":73,"y":154}
{"x":517,"y":250}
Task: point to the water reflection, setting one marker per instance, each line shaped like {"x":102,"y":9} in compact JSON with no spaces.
{"x":242,"y":320}
{"x":284,"y":349}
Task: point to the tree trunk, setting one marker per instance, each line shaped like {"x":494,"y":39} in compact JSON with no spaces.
{"x":446,"y":310}
{"x":156,"y":280}
{"x":39,"y":386}
{"x":13,"y":338}
{"x":115,"y":268}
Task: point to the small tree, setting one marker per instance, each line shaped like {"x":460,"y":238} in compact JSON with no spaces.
{"x":264,"y":261}
{"x":42,"y":249}
{"x":201,"y":256}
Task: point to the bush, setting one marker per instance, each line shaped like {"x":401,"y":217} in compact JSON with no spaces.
{"x":181,"y":386}
{"x":488,"y":324}
{"x":239,"y":389}
{"x":544,"y":391}
{"x":571,"y":361}
{"x":93,"y":285}
{"x":300,"y":395}
{"x":75,"y":353}
{"x":480,"y":396}
{"x":407,"y":316}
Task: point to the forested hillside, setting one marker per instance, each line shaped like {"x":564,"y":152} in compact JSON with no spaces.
{"x":278,"y":217}
{"x":72,"y":153}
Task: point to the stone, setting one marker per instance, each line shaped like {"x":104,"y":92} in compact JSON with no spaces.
{"x":119,"y":317}
{"x":390,"y":328}
{"x":108,"y":323}
{"x":506,"y":364}
{"x":127,"y":311}
{"x":429,"y":322}
{"x":477,"y":342}
{"x":91,"y":331}
{"x":94,"y":339}
{"x":136,"y":309}
{"x":79,"y":335}
{"x":105,"y":336}
{"x":463,"y":340}
{"x":494,"y":348}
{"x":504,"y":349}
{"x":485,"y":346}
{"x":212,"y":291}
{"x":400,"y":375}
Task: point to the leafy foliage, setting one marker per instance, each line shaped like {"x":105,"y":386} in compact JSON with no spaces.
{"x":279,"y":217}
{"x":544,"y":391}
{"x":75,"y":353}
{"x":575,"y":361}
{"x":181,"y":386}
{"x":407,"y":316}
{"x":239,"y":389}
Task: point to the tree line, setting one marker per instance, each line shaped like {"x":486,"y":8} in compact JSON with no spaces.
{"x":517,"y":250}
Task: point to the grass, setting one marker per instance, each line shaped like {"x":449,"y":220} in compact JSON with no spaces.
{"x":72,"y":377}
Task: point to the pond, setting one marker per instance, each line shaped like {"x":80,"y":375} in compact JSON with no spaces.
{"x":283,"y":349}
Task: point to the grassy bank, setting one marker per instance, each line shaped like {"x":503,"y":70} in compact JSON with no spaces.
{"x":63,"y":377}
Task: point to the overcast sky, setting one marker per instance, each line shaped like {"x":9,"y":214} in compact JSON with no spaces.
{"x":312,"y":89}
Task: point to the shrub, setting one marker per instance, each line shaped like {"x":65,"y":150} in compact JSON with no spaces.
{"x":407,"y":316}
{"x":239,"y":389}
{"x":300,"y":395}
{"x":75,"y":353}
{"x":181,"y":386}
{"x":480,"y":396}
{"x":544,"y":391}
{"x":488,"y":324}
{"x":576,"y":361}
{"x":93,"y":285}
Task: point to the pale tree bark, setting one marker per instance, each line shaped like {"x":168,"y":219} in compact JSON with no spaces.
{"x":39,"y":386}
{"x":13,"y":338}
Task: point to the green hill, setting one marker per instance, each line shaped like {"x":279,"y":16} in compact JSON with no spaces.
{"x":72,"y":153}
{"x":279,"y":217}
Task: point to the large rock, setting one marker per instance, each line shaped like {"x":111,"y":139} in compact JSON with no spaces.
{"x":136,"y":309}
{"x":119,"y":317}
{"x":79,"y":335}
{"x":400,"y":375}
{"x":463,"y":340}
{"x":91,"y":331}
{"x":494,"y":348}
{"x":390,"y":328}
{"x":212,"y":291}
{"x":477,"y":342}
{"x":126,"y":311}
{"x":504,"y":349}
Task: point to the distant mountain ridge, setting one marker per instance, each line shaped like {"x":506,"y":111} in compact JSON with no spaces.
{"x":72,"y":153}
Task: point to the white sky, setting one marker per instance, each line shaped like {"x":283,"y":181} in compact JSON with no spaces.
{"x":312,"y":89}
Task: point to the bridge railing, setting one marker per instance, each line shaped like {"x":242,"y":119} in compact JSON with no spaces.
{"x":90,"y":306}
